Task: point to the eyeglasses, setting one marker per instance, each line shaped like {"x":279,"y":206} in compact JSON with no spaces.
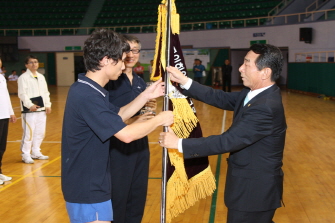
{"x":134,"y":51}
{"x":32,"y":62}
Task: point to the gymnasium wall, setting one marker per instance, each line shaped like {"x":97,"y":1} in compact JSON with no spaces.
{"x":239,"y":38}
{"x":286,"y":36}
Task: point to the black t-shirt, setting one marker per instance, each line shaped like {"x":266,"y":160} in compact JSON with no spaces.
{"x":121,"y":93}
{"x":89,"y":121}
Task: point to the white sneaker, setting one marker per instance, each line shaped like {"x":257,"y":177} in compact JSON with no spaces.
{"x":26,"y":158}
{"x":5,"y":178}
{"x":1,"y":182}
{"x":39,"y":156}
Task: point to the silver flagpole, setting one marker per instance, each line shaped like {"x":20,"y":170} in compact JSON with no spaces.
{"x":166,"y":108}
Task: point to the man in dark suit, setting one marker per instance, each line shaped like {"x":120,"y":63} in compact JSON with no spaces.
{"x":226,"y":76}
{"x":255,"y":140}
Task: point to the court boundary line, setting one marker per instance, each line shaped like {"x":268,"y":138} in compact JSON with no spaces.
{"x":215,"y":194}
{"x":212,"y":211}
{"x":31,"y":173}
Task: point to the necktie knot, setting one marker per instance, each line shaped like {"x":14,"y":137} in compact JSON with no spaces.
{"x":246,"y":100}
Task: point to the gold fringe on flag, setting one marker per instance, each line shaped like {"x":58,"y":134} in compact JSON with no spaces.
{"x":199,"y":187}
{"x":182,"y":192}
{"x":160,"y":46}
{"x":184,"y":118}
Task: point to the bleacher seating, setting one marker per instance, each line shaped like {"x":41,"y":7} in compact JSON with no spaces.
{"x":141,"y":16}
{"x":42,"y":14}
{"x":330,"y":15}
{"x":145,"y":12}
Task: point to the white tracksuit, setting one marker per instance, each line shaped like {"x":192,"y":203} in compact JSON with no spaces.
{"x":33,"y":123}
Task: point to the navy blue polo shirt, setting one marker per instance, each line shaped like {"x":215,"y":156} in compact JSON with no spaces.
{"x":89,"y":122}
{"x":121,"y":93}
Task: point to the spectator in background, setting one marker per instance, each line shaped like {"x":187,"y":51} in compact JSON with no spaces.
{"x":198,"y":68}
{"x":13,"y":76}
{"x":139,"y":70}
{"x":6,"y":115}
{"x":35,"y":105}
{"x":23,"y":70}
{"x":226,"y":76}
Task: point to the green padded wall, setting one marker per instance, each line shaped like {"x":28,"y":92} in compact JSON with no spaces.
{"x":312,"y":77}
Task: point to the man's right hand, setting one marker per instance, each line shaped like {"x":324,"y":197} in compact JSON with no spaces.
{"x":34,"y":108}
{"x":176,"y":75}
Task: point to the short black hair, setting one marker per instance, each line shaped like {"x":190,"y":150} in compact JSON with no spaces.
{"x":101,"y":43}
{"x":269,"y":57}
{"x":132,"y":39}
{"x":26,"y":61}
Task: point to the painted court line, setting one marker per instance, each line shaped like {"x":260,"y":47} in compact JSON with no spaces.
{"x":43,"y":141}
{"x":29,"y":174}
{"x":217,"y":177}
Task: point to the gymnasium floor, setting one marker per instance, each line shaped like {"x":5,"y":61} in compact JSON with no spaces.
{"x":34,"y":195}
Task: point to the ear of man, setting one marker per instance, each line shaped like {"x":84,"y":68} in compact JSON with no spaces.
{"x":266,"y":73}
{"x":105,"y":61}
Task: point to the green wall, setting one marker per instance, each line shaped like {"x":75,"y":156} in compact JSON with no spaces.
{"x":312,"y":77}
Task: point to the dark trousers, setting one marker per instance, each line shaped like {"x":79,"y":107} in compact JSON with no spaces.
{"x":3,"y":138}
{"x":250,"y":217}
{"x":226,"y":83}
{"x":129,"y":174}
{"x":199,"y":80}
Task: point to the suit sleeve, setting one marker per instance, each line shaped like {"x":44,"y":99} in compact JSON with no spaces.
{"x":255,"y":124}
{"x":215,"y":97}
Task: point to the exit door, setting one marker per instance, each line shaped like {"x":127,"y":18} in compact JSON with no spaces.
{"x":65,"y":69}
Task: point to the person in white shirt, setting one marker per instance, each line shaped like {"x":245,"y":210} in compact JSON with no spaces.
{"x":13,"y":76}
{"x":6,"y":114}
{"x":35,"y":104}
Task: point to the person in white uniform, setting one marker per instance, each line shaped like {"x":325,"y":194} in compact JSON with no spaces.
{"x":35,"y":104}
{"x":6,"y":115}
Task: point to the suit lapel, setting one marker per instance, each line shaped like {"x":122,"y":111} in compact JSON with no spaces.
{"x":241,"y":108}
{"x":239,"y":103}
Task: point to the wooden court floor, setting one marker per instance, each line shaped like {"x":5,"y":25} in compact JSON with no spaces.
{"x":34,"y":195}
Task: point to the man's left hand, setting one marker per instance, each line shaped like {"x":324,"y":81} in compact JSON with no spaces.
{"x":155,"y":90}
{"x":48,"y":110}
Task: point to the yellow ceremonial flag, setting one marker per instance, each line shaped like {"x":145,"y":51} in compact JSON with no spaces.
{"x":192,"y":179}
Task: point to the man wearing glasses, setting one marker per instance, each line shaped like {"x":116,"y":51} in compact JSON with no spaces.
{"x":129,"y":161}
{"x":35,"y":105}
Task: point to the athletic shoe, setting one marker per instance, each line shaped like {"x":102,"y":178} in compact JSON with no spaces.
{"x":26,"y":158}
{"x":39,"y":156}
{"x":1,"y":182}
{"x":5,"y":178}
